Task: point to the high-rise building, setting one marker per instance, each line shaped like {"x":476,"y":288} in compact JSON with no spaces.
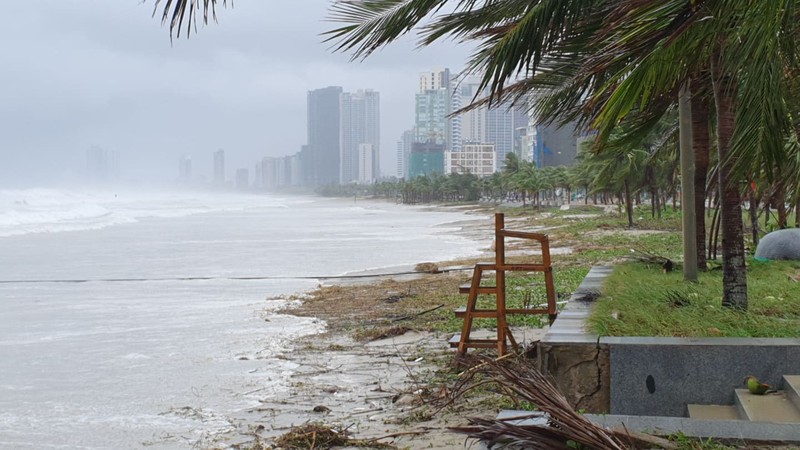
{"x":360,"y":126}
{"x":219,"y":167}
{"x":434,"y":80}
{"x":433,"y":104}
{"x":295,"y":169}
{"x":426,"y":158}
{"x":498,"y":125}
{"x":322,"y":160}
{"x":502,"y":122}
{"x":102,"y":165}
{"x":473,"y":122}
{"x":431,"y":110}
{"x":403,"y":153}
{"x":185,"y":168}
{"x":555,"y":145}
{"x":366,"y":164}
{"x":269,"y":176}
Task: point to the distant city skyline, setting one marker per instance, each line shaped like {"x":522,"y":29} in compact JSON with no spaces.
{"x":107,"y":74}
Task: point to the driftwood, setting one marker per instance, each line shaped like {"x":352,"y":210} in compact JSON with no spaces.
{"x":413,"y":316}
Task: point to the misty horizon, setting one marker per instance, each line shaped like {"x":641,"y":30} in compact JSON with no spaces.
{"x":107,"y":75}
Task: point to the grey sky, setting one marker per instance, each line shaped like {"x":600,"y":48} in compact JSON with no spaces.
{"x":77,"y":73}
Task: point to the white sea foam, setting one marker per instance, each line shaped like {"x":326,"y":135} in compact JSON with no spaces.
{"x":58,"y":210}
{"x":106,"y":365}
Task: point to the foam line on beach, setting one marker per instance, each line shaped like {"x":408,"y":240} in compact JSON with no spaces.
{"x":252,"y":278}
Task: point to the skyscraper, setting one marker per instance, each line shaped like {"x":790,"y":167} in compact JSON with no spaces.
{"x":360,"y":125}
{"x":473,"y":122}
{"x":430,"y":117}
{"x":433,"y":104}
{"x":219,"y":167}
{"x":185,"y":168}
{"x":101,"y":164}
{"x":556,"y":145}
{"x":502,"y":122}
{"x":497,"y":125}
{"x":404,"y":153}
{"x":322,"y":160}
{"x":366,"y":164}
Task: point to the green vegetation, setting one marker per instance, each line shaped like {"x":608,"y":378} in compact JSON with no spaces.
{"x":641,"y":300}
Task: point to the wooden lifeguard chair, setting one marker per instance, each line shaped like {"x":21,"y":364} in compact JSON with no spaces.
{"x":500,"y":267}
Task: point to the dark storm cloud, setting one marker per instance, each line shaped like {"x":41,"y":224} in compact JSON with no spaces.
{"x":79,"y":73}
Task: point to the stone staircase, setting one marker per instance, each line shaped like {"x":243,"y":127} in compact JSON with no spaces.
{"x":782,"y":406}
{"x":768,"y":419}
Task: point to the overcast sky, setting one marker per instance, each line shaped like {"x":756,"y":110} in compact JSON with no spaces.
{"x":78,"y":73}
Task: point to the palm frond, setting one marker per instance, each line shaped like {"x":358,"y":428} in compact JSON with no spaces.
{"x":175,"y":12}
{"x":566,"y":427}
{"x":372,"y":24}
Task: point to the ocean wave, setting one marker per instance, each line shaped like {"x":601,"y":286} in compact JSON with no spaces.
{"x":59,"y":210}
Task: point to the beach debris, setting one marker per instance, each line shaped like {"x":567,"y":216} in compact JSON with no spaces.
{"x":394,"y":297}
{"x":313,"y":435}
{"x":427,"y":267}
{"x":588,"y":295}
{"x":405,"y":399}
{"x":377,"y":334}
{"x":319,"y":436}
{"x":651,"y":258}
{"x":412,"y":316}
{"x":564,"y":428}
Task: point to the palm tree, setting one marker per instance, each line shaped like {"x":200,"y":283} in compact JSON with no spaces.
{"x":604,"y":58}
{"x":750,"y":48}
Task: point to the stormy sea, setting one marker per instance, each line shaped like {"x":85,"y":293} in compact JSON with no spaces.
{"x":142,"y":319}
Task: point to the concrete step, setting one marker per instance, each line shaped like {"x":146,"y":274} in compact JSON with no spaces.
{"x":791,"y":384}
{"x":713,"y":412}
{"x":774,"y":407}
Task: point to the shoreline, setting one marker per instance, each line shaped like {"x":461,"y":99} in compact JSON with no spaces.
{"x":372,"y":389}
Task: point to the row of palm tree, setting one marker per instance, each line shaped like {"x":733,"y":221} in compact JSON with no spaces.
{"x":618,"y":67}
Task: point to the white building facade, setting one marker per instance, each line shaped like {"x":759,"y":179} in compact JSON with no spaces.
{"x":477,"y":159}
{"x":360,"y":124}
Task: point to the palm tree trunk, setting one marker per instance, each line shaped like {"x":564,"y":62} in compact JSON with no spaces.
{"x":734,"y":271}
{"x":753,"y":200}
{"x":687,"y":185}
{"x":700,"y":145}
{"x":629,"y":203}
{"x":780,"y":204}
{"x":767,"y":211}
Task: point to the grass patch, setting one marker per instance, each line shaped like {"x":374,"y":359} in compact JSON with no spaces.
{"x":642,"y":300}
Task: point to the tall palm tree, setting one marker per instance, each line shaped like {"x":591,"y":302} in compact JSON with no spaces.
{"x":749,"y":46}
{"x":606,"y":58}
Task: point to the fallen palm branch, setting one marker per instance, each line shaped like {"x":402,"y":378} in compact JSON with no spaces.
{"x":564,"y":429}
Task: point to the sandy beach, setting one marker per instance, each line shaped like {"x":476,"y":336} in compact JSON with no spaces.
{"x":385,"y":390}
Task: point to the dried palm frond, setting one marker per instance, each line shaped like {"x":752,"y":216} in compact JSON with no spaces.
{"x":565,"y":429}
